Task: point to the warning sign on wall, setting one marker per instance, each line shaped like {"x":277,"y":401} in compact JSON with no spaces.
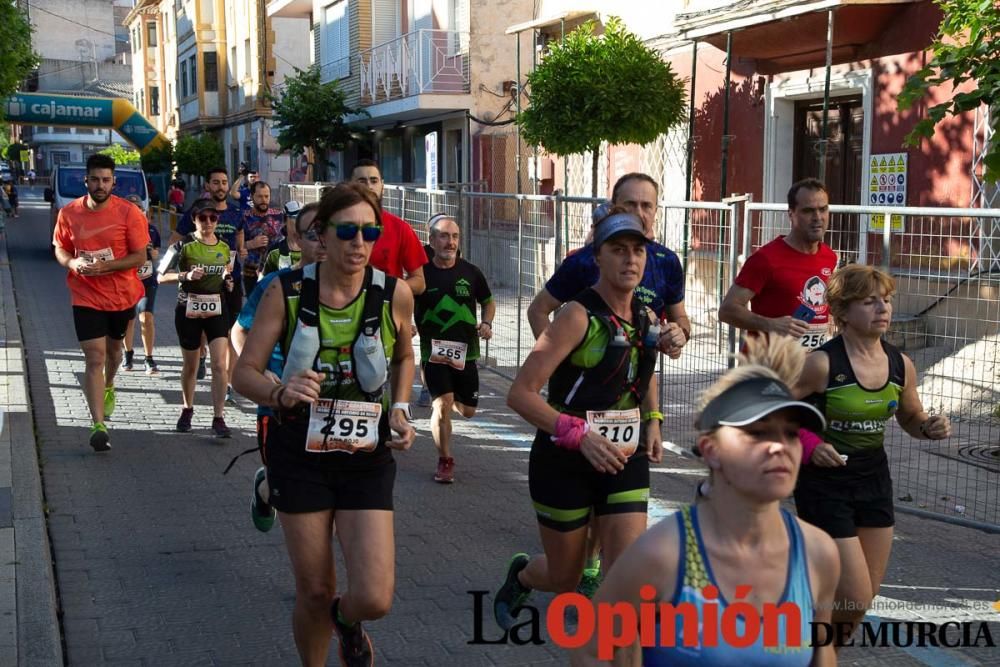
{"x":887,"y":179}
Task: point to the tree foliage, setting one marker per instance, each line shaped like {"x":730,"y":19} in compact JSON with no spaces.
{"x":966,"y":49}
{"x":310,"y":115}
{"x":16,"y":55}
{"x":158,"y":160}
{"x":194,"y":155}
{"x":13,"y":151}
{"x":122,"y":156}
{"x":590,"y":89}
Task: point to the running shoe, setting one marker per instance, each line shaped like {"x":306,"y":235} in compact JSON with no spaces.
{"x":512,"y":594}
{"x":202,"y":371}
{"x":109,"y":402}
{"x":355,"y":644}
{"x":150,"y":365}
{"x":184,"y":423}
{"x":590,"y":581}
{"x":424,"y":400}
{"x":127,"y":360}
{"x":99,"y":439}
{"x":446,"y":470}
{"x":261,"y":513}
{"x":229,"y":396}
{"x":220,"y":429}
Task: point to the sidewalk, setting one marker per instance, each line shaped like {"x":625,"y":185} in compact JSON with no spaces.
{"x":158,"y":563}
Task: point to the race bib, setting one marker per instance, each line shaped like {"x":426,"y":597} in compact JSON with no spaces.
{"x":284,"y":262}
{"x":449,"y":353}
{"x":203,"y":305}
{"x":814,"y":338}
{"x":352,"y":426}
{"x":619,"y":426}
{"x":146,"y":270}
{"x":102,"y":255}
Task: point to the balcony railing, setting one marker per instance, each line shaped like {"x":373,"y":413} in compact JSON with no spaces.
{"x":419,"y":62}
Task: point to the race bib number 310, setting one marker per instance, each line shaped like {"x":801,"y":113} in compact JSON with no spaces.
{"x":619,"y":426}
{"x":203,"y":305}
{"x":350,"y":426}
{"x":449,"y":352}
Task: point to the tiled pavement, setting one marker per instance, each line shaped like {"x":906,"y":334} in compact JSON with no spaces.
{"x":157,"y":562}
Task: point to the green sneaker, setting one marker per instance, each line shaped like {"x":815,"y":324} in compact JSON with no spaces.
{"x":261,"y":513}
{"x":590,"y":581}
{"x":512,"y":594}
{"x":109,"y":402}
{"x":99,"y":439}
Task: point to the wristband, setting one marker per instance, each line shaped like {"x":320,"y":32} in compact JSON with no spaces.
{"x":923,"y":428}
{"x":277,"y":393}
{"x":405,"y":407}
{"x":570,"y":431}
{"x":651,"y":415}
{"x":810,"y":441}
{"x":489,"y":324}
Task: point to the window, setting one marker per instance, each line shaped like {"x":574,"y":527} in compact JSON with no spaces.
{"x":193,"y":69}
{"x":183,"y":85}
{"x":150,"y":34}
{"x":154,"y":100}
{"x":336,"y":41}
{"x":211,"y":72}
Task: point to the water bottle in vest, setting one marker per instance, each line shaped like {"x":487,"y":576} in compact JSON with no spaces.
{"x":305,"y":342}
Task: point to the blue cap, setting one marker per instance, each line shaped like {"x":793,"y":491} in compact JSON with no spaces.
{"x":617,"y":225}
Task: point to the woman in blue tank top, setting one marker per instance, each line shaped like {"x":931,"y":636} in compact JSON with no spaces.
{"x":860,"y":382}
{"x":735,"y":580}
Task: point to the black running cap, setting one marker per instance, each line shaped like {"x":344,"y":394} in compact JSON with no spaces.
{"x":617,"y":225}
{"x":752,"y":400}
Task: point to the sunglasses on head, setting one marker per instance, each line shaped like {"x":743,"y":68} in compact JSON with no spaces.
{"x":348,"y":230}
{"x":207,"y":217}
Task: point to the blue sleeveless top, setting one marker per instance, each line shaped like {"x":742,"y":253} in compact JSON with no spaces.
{"x":694,"y":572}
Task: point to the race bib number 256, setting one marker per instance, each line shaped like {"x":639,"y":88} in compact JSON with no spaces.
{"x":813,"y":338}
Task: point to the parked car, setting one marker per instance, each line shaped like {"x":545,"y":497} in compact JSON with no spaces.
{"x":68,"y":183}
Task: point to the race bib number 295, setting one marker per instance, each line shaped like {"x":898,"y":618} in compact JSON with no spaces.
{"x":343,"y":426}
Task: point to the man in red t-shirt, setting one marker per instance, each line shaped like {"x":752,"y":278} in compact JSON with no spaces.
{"x":784,"y":282}
{"x":101,"y":239}
{"x":398,"y":251}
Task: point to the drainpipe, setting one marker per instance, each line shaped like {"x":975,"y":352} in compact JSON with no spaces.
{"x":826,"y":96}
{"x":725,"y":116}
{"x":689,"y":170}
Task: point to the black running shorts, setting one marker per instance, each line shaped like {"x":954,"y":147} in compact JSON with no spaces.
{"x":841,"y":500}
{"x":565,"y":488}
{"x":297,"y":488}
{"x":91,"y":323}
{"x":189,"y":329}
{"x":442,"y":379}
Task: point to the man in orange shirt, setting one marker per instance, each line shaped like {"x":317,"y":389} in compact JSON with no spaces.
{"x":101,"y":239}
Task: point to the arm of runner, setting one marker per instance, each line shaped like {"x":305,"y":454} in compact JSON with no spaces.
{"x":489,"y":311}
{"x":812,"y":380}
{"x":538,"y":312}
{"x":911,"y":414}
{"x":133,"y":260}
{"x":649,"y":561}
{"x":735,"y":310}
{"x":415,"y":281}
{"x":654,"y":434}
{"x":677,"y":331}
{"x":402,"y":368}
{"x":824,"y":573}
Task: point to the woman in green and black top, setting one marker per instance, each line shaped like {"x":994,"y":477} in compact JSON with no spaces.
{"x":859,"y":382}
{"x":341,"y":407}
{"x":201,"y":263}
{"x":599,"y":429}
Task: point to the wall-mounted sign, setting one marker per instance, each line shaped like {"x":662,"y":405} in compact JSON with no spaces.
{"x":887,"y":179}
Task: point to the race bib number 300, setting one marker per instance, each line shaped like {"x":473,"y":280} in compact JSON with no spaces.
{"x":449,"y":352}
{"x":351,"y":426}
{"x":814,"y":338}
{"x":203,"y":305}
{"x":619,"y":426}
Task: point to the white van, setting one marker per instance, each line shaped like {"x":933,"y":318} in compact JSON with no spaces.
{"x":68,"y":183}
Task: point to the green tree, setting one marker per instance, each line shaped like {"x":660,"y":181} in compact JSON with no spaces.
{"x":122,"y":156}
{"x":309,"y":117}
{"x":966,"y":50}
{"x":13,"y":152}
{"x":590,"y":89}
{"x":159,"y":160}
{"x":194,"y":155}
{"x":16,"y":53}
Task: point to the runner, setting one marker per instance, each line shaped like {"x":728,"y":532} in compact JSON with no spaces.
{"x":846,"y":489}
{"x":262,"y":227}
{"x":398,"y":251}
{"x":330,"y":453}
{"x":242,"y":188}
{"x":784,"y":282}
{"x":300,"y":233}
{"x":145,"y":308}
{"x":230,"y":230}
{"x":202,"y":264}
{"x":101,"y":239}
{"x":738,"y":537}
{"x":285,"y":252}
{"x":598,"y":358}
{"x":449,"y":335}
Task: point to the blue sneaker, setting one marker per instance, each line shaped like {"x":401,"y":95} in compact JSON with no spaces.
{"x":512,"y":594}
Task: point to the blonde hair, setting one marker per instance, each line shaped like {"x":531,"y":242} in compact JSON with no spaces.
{"x":774,"y":357}
{"x":853,"y":283}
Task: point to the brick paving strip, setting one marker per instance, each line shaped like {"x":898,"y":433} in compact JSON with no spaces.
{"x":158,"y":563}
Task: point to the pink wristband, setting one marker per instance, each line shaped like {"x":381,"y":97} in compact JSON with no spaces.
{"x":810,"y":441}
{"x":570,"y":431}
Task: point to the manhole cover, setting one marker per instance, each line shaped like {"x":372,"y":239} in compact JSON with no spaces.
{"x":981,"y":454}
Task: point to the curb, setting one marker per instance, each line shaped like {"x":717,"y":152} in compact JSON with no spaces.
{"x":33,"y":606}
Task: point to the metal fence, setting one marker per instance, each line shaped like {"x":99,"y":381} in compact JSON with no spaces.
{"x":947,"y":310}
